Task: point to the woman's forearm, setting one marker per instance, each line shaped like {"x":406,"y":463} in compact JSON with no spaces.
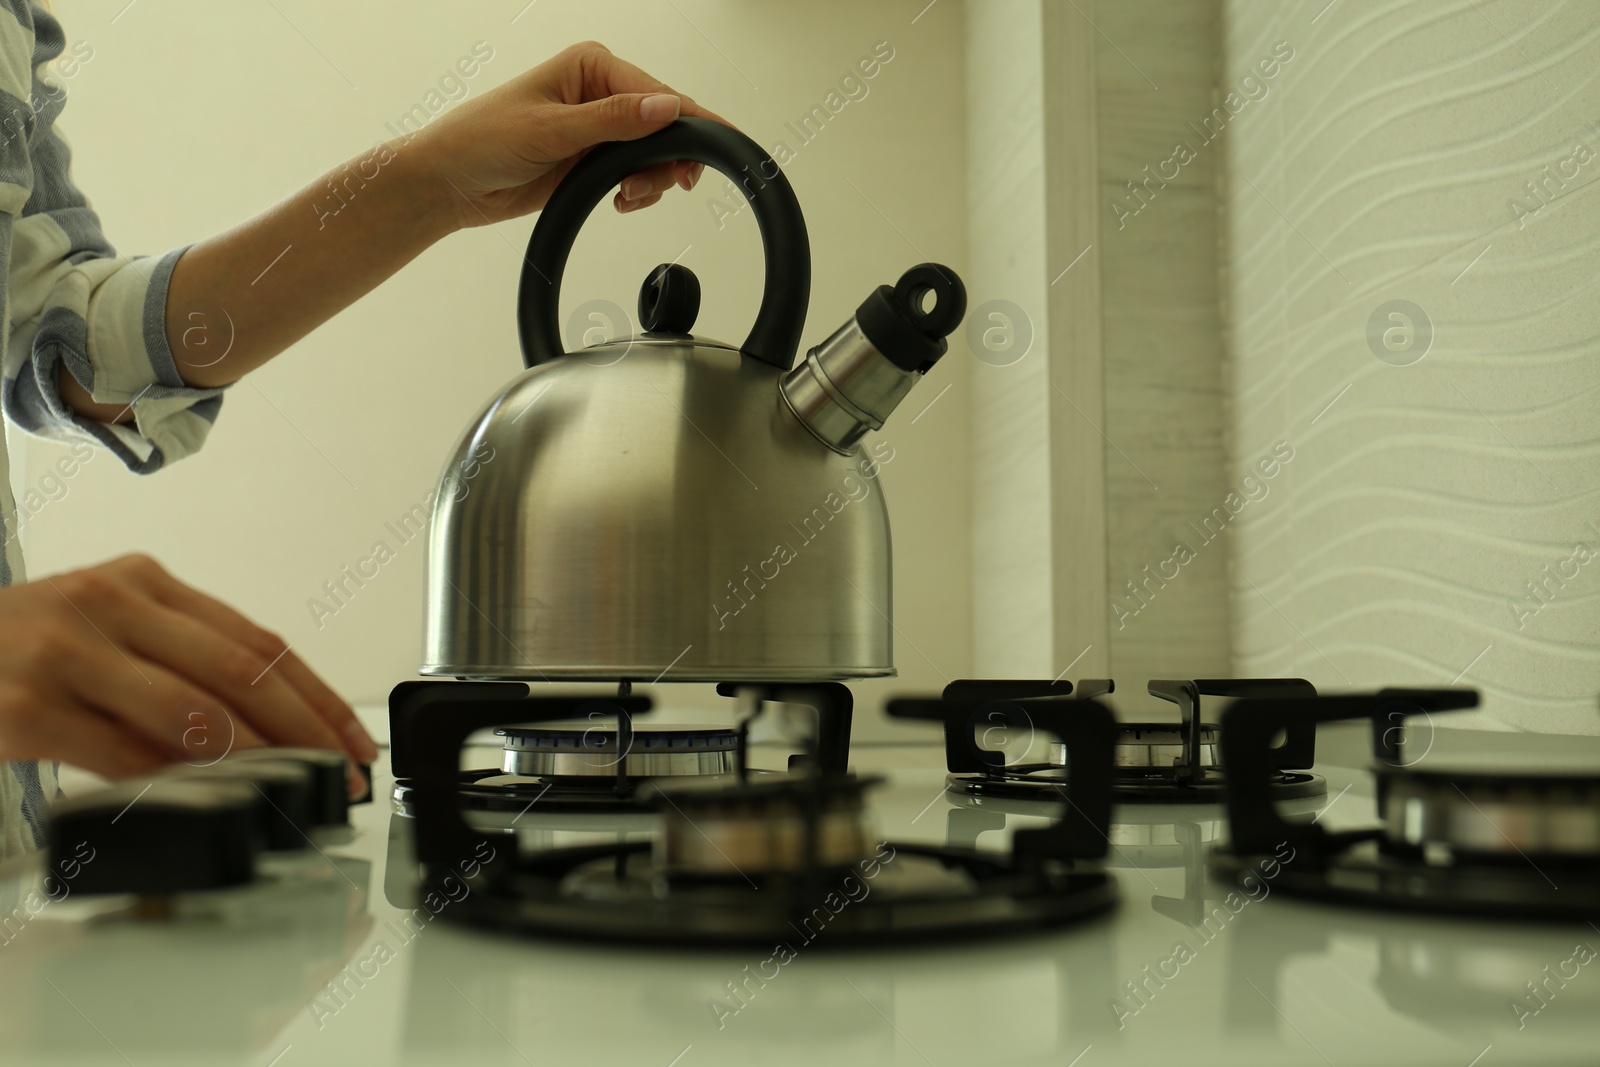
{"x":238,"y":299}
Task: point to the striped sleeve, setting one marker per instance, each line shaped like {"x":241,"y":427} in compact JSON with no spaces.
{"x":73,"y":300}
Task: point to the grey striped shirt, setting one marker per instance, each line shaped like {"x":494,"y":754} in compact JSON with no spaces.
{"x":69,"y":297}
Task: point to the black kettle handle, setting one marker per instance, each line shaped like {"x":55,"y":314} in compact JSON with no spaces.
{"x":775,"y":337}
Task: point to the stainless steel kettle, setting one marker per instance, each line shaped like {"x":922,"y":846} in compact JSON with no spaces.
{"x":668,"y":507}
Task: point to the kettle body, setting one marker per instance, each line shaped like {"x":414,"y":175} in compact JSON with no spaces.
{"x":577,"y":536}
{"x":665,"y":507}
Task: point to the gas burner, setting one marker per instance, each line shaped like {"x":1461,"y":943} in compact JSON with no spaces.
{"x":784,"y":859}
{"x":587,"y":751}
{"x":575,"y":766}
{"x":1155,"y":762}
{"x":712,"y":829}
{"x":1462,"y":838}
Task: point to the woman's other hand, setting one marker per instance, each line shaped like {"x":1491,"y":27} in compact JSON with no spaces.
{"x":121,"y":669}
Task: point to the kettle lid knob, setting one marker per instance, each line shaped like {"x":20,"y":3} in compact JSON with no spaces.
{"x":669,"y":299}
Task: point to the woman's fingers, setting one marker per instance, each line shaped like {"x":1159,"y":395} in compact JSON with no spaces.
{"x":569,"y":130}
{"x":626,"y":206}
{"x":171,"y":714}
{"x":646,"y":187}
{"x":503,"y":153}
{"x":239,"y":678}
{"x":606,"y":75}
{"x":62,"y":728}
{"x":279,"y":679}
{"x":120,"y":668}
{"x":687,"y":174}
{"x":610,"y":86}
{"x":603,"y":74}
{"x":648,"y":182}
{"x":253,"y":672}
{"x":284,"y":699}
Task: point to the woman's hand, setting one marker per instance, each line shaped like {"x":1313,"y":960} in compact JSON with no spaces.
{"x":499,"y":156}
{"x":120,"y":669}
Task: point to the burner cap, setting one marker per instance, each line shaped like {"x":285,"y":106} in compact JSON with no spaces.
{"x":1468,"y":811}
{"x":743,"y":829}
{"x":1151,"y":745}
{"x":588,"y":750}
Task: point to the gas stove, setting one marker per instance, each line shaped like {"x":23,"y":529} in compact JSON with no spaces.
{"x":1189,"y":965}
{"x":1155,"y":762}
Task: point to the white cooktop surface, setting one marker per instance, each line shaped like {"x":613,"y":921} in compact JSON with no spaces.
{"x":1179,"y":973}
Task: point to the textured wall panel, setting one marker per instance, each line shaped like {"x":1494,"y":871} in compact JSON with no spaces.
{"x":1164,"y":396}
{"x":1442,"y":154}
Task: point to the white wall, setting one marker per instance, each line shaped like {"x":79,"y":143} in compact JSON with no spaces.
{"x":1385,"y":163}
{"x":1013,"y":542}
{"x":190,"y":117}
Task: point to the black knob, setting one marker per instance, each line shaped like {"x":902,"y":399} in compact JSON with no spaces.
{"x":330,"y":793}
{"x":163,"y":835}
{"x":669,"y":299}
{"x":282,"y":791}
{"x":939,"y":316}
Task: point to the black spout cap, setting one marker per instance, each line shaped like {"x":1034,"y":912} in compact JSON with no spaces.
{"x":908,"y":328}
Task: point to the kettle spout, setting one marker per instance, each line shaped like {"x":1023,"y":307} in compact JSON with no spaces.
{"x":854,"y":380}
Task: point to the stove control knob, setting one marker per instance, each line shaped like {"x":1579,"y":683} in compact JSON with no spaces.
{"x":282,"y":792}
{"x":154,"y":836}
{"x":330,"y":790}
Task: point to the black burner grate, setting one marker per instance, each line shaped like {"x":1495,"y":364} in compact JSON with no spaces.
{"x":607,"y":782}
{"x":631,"y":891}
{"x":1155,"y":762}
{"x":1413,"y":861}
